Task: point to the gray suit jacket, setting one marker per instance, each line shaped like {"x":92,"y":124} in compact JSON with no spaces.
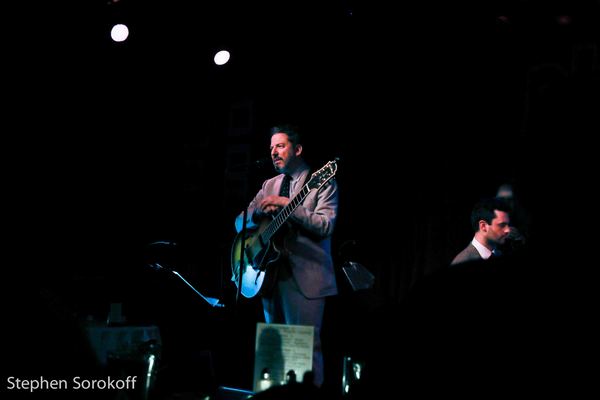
{"x":313,"y":222}
{"x":470,"y":253}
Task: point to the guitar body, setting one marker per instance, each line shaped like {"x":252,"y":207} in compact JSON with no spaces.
{"x":258,"y":271}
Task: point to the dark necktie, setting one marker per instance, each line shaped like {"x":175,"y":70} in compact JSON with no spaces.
{"x":285,"y":186}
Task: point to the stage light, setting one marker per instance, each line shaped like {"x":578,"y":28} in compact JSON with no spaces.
{"x":119,"y":32}
{"x":222,"y":57}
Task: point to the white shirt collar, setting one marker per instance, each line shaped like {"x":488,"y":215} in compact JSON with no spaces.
{"x":484,"y":252}
{"x":296,"y":175}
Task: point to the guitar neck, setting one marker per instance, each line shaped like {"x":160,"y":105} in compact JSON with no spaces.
{"x":285,"y":213}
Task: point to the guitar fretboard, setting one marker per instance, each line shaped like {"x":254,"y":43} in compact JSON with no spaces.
{"x":284,"y":214}
{"x":317,"y":180}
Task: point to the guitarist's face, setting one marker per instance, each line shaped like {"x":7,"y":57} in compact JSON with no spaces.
{"x":284,"y":153}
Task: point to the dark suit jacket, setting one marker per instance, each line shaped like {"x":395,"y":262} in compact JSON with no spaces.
{"x":309,"y":249}
{"x":470,"y":253}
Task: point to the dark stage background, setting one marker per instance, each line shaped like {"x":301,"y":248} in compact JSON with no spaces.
{"x":110,"y":147}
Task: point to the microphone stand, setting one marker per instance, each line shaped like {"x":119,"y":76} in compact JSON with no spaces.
{"x":242,"y":246}
{"x":245,"y":168}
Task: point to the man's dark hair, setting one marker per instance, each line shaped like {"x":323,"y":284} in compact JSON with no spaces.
{"x":291,"y":130}
{"x":484,"y":210}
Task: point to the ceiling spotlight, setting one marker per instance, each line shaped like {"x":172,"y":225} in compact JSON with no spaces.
{"x":119,"y":32}
{"x":222,"y":57}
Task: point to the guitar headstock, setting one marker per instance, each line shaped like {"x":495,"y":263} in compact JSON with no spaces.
{"x":322,"y":176}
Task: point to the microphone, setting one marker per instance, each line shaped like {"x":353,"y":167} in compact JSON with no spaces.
{"x":255,"y":164}
{"x":262,"y":162}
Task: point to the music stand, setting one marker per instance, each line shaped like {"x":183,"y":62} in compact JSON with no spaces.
{"x":210,"y":300}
